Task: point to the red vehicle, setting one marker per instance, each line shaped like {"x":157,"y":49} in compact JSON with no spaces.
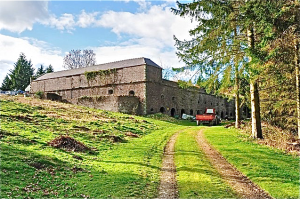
{"x":209,"y":117}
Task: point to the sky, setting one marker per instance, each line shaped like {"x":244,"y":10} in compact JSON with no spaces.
{"x":45,"y":31}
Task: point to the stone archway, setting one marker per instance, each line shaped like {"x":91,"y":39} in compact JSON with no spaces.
{"x":162,"y":110}
{"x":182,"y":112}
{"x":173,"y":111}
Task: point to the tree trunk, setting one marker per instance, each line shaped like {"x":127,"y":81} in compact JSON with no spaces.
{"x":297,"y":66}
{"x":255,"y":106}
{"x":237,"y":98}
{"x":237,"y":83}
{"x":255,"y":110}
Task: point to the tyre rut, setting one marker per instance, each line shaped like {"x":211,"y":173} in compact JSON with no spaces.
{"x":168,"y":183}
{"x":244,"y":187}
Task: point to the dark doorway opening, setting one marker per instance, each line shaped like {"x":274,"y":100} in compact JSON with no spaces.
{"x":162,"y":110}
{"x":54,"y":97}
{"x":198,"y":112}
{"x":222,"y":114}
{"x":191,"y":112}
{"x":182,"y":112}
{"x":173,"y":112}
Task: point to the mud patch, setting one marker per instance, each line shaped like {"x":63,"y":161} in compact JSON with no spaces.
{"x":69,"y":144}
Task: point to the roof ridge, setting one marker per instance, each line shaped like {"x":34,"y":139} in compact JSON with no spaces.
{"x":121,"y":61}
{"x":104,"y":66}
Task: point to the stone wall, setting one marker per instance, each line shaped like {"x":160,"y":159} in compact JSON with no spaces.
{"x":166,"y":96}
{"x":123,"y":104}
{"x":137,"y":89}
{"x":128,"y":81}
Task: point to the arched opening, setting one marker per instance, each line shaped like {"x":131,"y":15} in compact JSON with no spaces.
{"x":182,"y":112}
{"x":110,"y":91}
{"x":151,"y":109}
{"x":162,"y":97}
{"x":173,"y":112}
{"x":131,"y":93}
{"x":191,"y":112}
{"x":198,"y":112}
{"x":173,"y":98}
{"x":222,"y":114}
{"x":54,"y":97}
{"x":162,"y":110}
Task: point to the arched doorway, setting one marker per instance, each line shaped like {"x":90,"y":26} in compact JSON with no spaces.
{"x":222,"y":115}
{"x":191,"y":112}
{"x":173,"y":112}
{"x":198,"y":112}
{"x":162,"y":110}
{"x":182,"y":112}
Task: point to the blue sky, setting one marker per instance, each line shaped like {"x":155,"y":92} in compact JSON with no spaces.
{"x":46,"y":30}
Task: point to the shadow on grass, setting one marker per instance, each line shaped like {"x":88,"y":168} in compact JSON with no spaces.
{"x":128,"y":162}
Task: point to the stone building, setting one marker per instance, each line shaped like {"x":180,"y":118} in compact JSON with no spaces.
{"x":132,"y":86}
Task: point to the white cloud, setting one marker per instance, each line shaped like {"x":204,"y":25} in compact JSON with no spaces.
{"x":120,"y":52}
{"x":17,"y":16}
{"x":37,"y":51}
{"x":64,"y":22}
{"x":157,"y":22}
{"x":86,"y":19}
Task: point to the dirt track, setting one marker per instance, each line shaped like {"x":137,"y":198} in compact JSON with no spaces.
{"x":238,"y":181}
{"x":168,"y":183}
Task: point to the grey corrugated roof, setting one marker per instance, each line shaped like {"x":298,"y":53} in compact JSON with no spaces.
{"x":111,"y":65}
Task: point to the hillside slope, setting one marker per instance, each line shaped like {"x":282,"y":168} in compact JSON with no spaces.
{"x":99,"y":154}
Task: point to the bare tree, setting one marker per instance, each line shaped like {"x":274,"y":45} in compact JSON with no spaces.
{"x":76,"y":59}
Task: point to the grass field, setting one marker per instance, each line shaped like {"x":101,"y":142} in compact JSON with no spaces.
{"x":195,"y":175}
{"x":123,"y":156}
{"x":32,"y":168}
{"x":272,"y":169}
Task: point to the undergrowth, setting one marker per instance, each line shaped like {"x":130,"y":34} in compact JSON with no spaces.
{"x":275,"y":137}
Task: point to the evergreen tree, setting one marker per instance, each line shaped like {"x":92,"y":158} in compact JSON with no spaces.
{"x":216,"y":47}
{"x":40,"y":71}
{"x":21,"y":74}
{"x":6,"y":84}
{"x":49,"y":69}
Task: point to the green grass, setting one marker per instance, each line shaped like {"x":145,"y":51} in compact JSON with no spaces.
{"x":195,"y":175}
{"x":128,"y":168}
{"x":32,"y":168}
{"x":272,"y":169}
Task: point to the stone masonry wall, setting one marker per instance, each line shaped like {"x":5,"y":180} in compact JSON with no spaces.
{"x":123,"y":104}
{"x":123,"y":82}
{"x":137,"y":89}
{"x":166,"y":96}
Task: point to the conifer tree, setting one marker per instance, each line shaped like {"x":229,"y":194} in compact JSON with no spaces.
{"x":216,"y":47}
{"x":21,"y":74}
{"x":40,"y":71}
{"x":49,"y":69}
{"x":6,"y":84}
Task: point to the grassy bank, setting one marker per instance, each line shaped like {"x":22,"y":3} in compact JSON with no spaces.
{"x":195,"y":175}
{"x":122,"y":159}
{"x":272,"y":169}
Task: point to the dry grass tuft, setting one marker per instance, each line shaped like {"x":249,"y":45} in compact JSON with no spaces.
{"x":276,"y":137}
